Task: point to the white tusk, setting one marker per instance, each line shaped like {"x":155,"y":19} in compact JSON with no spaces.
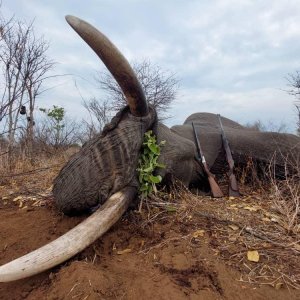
{"x":72,"y":242}
{"x":115,"y":62}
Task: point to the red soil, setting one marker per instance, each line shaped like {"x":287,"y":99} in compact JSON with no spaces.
{"x":177,"y":255}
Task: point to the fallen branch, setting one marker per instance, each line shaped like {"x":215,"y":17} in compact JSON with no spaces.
{"x":247,"y":229}
{"x":30,"y":171}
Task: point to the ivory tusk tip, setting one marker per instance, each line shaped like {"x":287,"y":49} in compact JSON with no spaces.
{"x":73,"y":21}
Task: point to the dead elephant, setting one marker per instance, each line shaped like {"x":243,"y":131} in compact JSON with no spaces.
{"x":104,"y":171}
{"x":263,"y":148}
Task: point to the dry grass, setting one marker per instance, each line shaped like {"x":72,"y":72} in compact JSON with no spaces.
{"x":235,"y":226}
{"x":38,"y":171}
{"x":285,"y":195}
{"x":177,"y":201}
{"x":249,"y":174}
{"x":284,"y":192}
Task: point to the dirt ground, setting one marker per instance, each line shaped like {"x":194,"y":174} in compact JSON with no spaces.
{"x":181,"y":246}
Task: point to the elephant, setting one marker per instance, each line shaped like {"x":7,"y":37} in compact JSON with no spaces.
{"x":282,"y":150}
{"x":104,"y":170}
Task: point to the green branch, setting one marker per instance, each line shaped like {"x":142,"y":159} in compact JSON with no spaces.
{"x":148,"y":163}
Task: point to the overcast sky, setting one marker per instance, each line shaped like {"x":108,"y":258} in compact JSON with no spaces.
{"x":232,"y":57}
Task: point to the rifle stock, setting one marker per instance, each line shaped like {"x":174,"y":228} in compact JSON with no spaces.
{"x":215,"y":189}
{"x":233,"y":189}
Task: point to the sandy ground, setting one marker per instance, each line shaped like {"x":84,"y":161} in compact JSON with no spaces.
{"x":190,"y":248}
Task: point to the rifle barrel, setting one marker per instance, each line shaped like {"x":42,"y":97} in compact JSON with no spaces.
{"x":199,"y":150}
{"x":215,"y":189}
{"x":226,"y":144}
{"x":233,"y":186}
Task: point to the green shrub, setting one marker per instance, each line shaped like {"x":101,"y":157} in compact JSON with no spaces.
{"x":148,"y":163}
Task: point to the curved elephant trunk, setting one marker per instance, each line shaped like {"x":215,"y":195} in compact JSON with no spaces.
{"x":70,"y":243}
{"x":115,"y":62}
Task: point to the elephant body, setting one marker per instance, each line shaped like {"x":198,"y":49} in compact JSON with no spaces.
{"x":108,"y":163}
{"x":282,"y":150}
{"x":177,"y":155}
{"x":262,"y":147}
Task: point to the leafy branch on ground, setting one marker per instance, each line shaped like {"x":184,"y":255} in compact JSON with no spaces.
{"x":147,"y":164}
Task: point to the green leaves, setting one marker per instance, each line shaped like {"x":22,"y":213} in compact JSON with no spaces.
{"x":148,"y":163}
{"x":57,"y":113}
{"x":55,"y":117}
{"x":155,"y":179}
{"x":154,"y":148}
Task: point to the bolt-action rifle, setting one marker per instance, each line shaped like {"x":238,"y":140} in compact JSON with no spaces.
{"x":215,"y":189}
{"x":233,"y":188}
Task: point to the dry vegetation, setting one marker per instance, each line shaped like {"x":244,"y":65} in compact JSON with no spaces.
{"x":285,"y":195}
{"x":239,"y":225}
{"x":257,"y":235}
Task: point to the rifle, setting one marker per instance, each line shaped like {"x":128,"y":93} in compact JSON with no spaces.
{"x":233,"y":188}
{"x":215,"y":189}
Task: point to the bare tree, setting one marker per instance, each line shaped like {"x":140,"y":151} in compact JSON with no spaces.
{"x":11,"y":56}
{"x":160,"y":87}
{"x":298,"y":122}
{"x":261,"y":126}
{"x":11,"y":59}
{"x":100,"y":114}
{"x":36,"y":65}
{"x":294,"y":84}
{"x":24,"y":64}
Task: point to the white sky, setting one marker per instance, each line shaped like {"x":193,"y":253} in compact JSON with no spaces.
{"x":232,"y":57}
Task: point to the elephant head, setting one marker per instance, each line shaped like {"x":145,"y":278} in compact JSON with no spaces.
{"x":107,"y":163}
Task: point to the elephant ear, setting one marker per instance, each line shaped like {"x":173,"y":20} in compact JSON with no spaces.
{"x":115,"y":62}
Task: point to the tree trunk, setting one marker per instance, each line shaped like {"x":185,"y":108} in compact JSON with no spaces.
{"x":30,"y":124}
